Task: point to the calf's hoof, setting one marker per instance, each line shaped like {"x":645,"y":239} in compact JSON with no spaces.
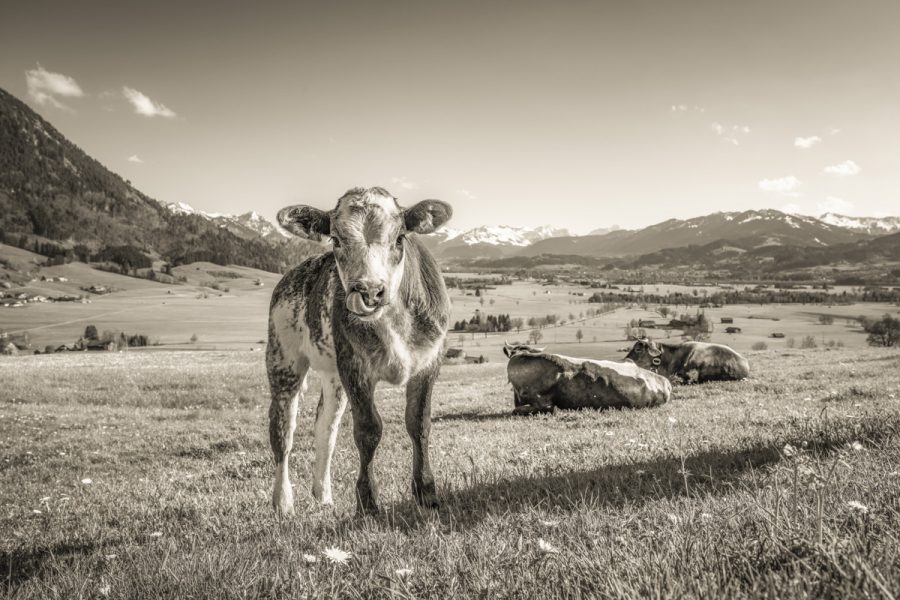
{"x":283,"y":503}
{"x":425,"y":495}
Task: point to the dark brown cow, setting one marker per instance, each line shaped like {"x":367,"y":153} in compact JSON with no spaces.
{"x":543,"y":381}
{"x":690,"y":362}
{"x":374,"y":309}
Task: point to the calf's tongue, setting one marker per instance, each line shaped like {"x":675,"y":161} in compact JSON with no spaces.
{"x":356,"y":304}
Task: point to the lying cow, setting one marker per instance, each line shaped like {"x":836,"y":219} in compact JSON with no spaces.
{"x":543,"y":381}
{"x":373,"y":309}
{"x":691,"y":362}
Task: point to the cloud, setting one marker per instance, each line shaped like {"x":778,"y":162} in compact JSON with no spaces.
{"x":786,"y":186}
{"x":791,"y":208}
{"x":44,"y":87}
{"x":468,"y":194}
{"x":835,"y":205}
{"x":730,"y":133}
{"x":684,"y":108}
{"x":134,"y":158}
{"x":404,"y":183}
{"x":834,"y":131}
{"x":844,"y":169}
{"x":807,"y":142}
{"x":145,"y":106}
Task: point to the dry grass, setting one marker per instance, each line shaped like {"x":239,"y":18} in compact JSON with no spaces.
{"x":698,"y":498}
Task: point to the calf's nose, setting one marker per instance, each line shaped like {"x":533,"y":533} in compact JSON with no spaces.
{"x":372,"y":292}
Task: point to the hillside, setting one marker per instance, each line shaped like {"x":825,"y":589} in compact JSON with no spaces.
{"x":759,"y":227}
{"x":52,"y":191}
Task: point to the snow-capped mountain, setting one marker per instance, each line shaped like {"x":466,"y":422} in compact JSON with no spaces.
{"x":490,"y":241}
{"x":246,"y":225}
{"x":872,"y":225}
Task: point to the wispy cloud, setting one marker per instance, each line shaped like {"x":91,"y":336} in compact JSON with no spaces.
{"x":677,"y":108}
{"x":807,"y":142}
{"x":835,"y":205}
{"x":134,"y":158}
{"x":730,"y":133}
{"x":468,"y":194}
{"x":145,"y":106}
{"x":834,"y":131}
{"x":45,"y":86}
{"x":786,"y":186}
{"x":404,"y":183}
{"x":844,"y":169}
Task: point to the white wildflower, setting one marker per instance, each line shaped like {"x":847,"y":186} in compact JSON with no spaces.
{"x":87,"y":481}
{"x":336,"y":555}
{"x":856,"y":446}
{"x":788,"y":450}
{"x":156,"y":534}
{"x":549,"y":523}
{"x":309,"y":558}
{"x":104,"y":589}
{"x":547,"y":547}
{"x":673,"y":518}
{"x":858,"y":506}
{"x":403,"y":573}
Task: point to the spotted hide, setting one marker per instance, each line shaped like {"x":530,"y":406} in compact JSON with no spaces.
{"x":543,"y":382}
{"x":690,"y":362}
{"x":373,"y":309}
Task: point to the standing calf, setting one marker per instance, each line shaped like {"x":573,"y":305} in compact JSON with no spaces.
{"x":374,"y":309}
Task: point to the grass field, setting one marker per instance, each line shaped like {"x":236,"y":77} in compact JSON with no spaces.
{"x":148,"y":475}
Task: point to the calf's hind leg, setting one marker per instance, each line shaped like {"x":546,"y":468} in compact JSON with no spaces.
{"x":287,"y":385}
{"x":328,"y":421}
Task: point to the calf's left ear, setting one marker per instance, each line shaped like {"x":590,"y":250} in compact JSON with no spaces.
{"x":305,"y":221}
{"x":426,"y":216}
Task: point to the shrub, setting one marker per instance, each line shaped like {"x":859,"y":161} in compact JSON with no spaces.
{"x":790,"y":342}
{"x":826,"y":319}
{"x":884,"y":332}
{"x":194,"y":338}
{"x":760,"y":346}
{"x":808,"y":342}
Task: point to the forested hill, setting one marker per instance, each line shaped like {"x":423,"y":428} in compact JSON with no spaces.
{"x":50,"y":189}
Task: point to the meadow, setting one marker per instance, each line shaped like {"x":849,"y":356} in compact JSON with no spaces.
{"x":148,"y":474}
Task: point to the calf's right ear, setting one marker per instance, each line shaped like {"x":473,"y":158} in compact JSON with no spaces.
{"x":305,"y":221}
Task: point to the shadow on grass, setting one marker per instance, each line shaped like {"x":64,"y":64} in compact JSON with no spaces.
{"x":717,"y":471}
{"x":474,"y":417}
{"x":18,"y":566}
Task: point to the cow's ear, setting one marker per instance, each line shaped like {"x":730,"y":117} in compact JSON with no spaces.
{"x":305,"y":221}
{"x":508,"y":350}
{"x":426,"y":216}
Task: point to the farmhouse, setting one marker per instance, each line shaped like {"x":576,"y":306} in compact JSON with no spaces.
{"x":732,"y":330}
{"x":727,"y":320}
{"x":9,"y":349}
{"x":777,"y":334}
{"x":455,"y":354}
{"x":647,"y":323}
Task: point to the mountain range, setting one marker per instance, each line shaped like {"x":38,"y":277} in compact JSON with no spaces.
{"x":53,"y":192}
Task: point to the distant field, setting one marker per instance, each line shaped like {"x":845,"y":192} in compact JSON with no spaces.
{"x":235,"y":315}
{"x":149,"y":474}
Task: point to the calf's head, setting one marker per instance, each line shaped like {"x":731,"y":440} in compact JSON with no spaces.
{"x":368,"y":232}
{"x":645,"y":353}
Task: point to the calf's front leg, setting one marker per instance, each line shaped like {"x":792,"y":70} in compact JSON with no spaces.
{"x":418,"y":425}
{"x":367,"y":428}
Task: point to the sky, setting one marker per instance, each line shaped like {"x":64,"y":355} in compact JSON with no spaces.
{"x":571,"y":114}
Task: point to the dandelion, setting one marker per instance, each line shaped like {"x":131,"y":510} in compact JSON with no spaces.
{"x":856,"y":446}
{"x":673,"y":420}
{"x":309,"y":558}
{"x":104,"y":589}
{"x":788,"y":450}
{"x":547,"y":547}
{"x":336,"y":555}
{"x":549,"y":523}
{"x":36,"y":512}
{"x":672,"y":518}
{"x":705,"y":516}
{"x":112,"y":556}
{"x":403,"y":573}
{"x":858,"y":506}
{"x":87,"y":481}
{"x":156,"y":534}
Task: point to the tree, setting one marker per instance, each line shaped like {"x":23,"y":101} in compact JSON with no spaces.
{"x":884,"y":333}
{"x":90,"y":333}
{"x":579,"y":335}
{"x":535,"y":336}
{"x":517,"y":323}
{"x":826,"y":319}
{"x":663,"y":311}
